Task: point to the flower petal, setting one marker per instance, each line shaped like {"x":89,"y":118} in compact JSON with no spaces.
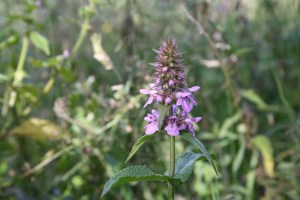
{"x":155,"y":113}
{"x":192,"y":130}
{"x":179,"y":102}
{"x":151,"y":128}
{"x":150,"y":100}
{"x":145,"y":91}
{"x":194,"y":88}
{"x":196,"y":119}
{"x":172,"y":129}
{"x":186,"y":106}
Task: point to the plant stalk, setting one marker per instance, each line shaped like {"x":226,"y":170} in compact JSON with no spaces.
{"x":19,"y":74}
{"x":171,"y":186}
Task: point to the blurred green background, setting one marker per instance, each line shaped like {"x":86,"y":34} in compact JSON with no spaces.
{"x":70,"y":75}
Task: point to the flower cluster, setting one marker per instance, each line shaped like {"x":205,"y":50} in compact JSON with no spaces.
{"x":169,"y":88}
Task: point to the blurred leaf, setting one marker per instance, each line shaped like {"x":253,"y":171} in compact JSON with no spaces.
{"x":66,"y":74}
{"x":24,"y":18}
{"x":192,"y":139}
{"x":86,"y":11}
{"x":29,"y":91}
{"x":240,"y":156}
{"x":40,"y":42}
{"x":251,"y":176}
{"x":243,"y":51}
{"x":9,"y":42}
{"x":99,"y":53}
{"x":250,"y":184}
{"x":50,"y":62}
{"x":137,"y":145}
{"x":228,"y":123}
{"x":163,"y":110}
{"x":184,"y":164}
{"x":263,"y":144}
{"x":251,"y":96}
{"x":135,"y":173}
{"x":3,"y":78}
{"x":49,"y":85}
{"x":211,"y":63}
{"x":39,"y":129}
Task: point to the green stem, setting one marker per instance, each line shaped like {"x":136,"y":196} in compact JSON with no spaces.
{"x":19,"y":74}
{"x":84,"y":29}
{"x":171,"y":186}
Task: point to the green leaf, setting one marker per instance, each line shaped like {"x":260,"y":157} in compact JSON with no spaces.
{"x":184,"y":164}
{"x":3,"y":78}
{"x":39,"y":129}
{"x":228,"y":123}
{"x":138,"y":144}
{"x":40,"y":42}
{"x":240,"y":156}
{"x":192,"y":139}
{"x":9,"y":42}
{"x":135,"y":173}
{"x":264,"y":145}
{"x":163,"y":110}
{"x":251,"y":96}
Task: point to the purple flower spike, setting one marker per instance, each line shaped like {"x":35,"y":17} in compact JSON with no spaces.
{"x":153,"y":126}
{"x":169,"y":89}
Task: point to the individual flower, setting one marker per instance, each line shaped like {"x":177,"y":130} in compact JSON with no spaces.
{"x":186,"y":99}
{"x":172,"y":128}
{"x":153,"y":126}
{"x":189,"y":123}
{"x":153,"y":94}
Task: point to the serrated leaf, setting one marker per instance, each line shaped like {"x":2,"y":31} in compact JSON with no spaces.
{"x":163,"y":110}
{"x":138,"y":144}
{"x":135,"y":173}
{"x":184,"y":164}
{"x":263,"y":144}
{"x":192,"y":139}
{"x":40,"y":42}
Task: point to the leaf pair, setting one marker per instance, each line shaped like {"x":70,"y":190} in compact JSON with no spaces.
{"x":183,"y":166}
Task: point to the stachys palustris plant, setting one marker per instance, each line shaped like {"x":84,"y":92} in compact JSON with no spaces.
{"x":174,"y":101}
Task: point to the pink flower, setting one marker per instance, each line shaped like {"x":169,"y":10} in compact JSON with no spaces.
{"x":153,"y":126}
{"x":189,"y":123}
{"x":172,"y":128}
{"x":186,"y":99}
{"x":153,"y":94}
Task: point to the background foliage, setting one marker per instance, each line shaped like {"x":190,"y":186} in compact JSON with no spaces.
{"x":70,"y":72}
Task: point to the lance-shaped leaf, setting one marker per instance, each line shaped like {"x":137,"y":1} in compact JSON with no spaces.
{"x":40,"y":42}
{"x":184,"y":164}
{"x":136,"y":173}
{"x":192,"y":139}
{"x":163,"y":110}
{"x":137,"y":145}
{"x":263,"y":144}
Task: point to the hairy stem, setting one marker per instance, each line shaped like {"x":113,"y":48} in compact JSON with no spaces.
{"x":171,"y":186}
